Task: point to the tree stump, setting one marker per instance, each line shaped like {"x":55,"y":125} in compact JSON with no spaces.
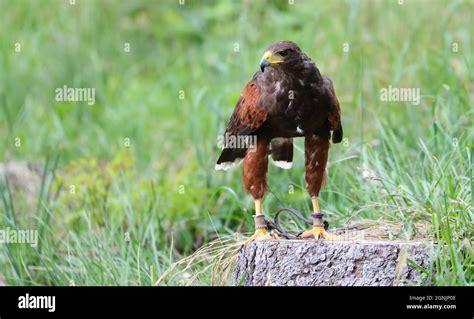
{"x":332,"y":263}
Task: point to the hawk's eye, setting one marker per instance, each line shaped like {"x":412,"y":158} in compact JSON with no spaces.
{"x":284,"y":52}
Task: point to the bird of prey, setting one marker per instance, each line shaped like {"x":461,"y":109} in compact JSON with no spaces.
{"x":287,"y":98}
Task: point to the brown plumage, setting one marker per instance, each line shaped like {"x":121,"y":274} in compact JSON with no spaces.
{"x":287,"y":98}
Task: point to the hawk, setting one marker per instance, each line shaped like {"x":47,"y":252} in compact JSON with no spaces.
{"x":287,"y":98}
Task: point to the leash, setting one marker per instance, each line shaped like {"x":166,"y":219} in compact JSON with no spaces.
{"x":276,"y":226}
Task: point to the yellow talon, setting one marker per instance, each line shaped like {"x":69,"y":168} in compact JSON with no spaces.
{"x":318,"y":232}
{"x":274,"y":234}
{"x":260,"y":234}
{"x":261,"y":230}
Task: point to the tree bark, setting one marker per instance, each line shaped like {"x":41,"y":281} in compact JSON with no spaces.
{"x":332,"y":263}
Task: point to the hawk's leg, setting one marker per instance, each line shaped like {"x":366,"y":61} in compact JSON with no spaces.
{"x":318,"y":230}
{"x":261,"y":230}
{"x":255,"y":182}
{"x":316,"y":157}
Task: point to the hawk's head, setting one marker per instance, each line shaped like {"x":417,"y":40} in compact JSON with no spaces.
{"x":284,"y":54}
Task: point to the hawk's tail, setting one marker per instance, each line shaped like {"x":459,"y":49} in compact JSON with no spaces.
{"x":281,"y":150}
{"x":337,"y":134}
{"x":230,"y":158}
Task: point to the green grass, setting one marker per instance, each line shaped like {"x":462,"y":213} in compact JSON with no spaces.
{"x":162,"y":193}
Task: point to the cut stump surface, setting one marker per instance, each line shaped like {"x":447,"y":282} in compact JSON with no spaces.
{"x":332,"y":263}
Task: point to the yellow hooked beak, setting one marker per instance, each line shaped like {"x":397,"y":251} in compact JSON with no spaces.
{"x":269,"y":59}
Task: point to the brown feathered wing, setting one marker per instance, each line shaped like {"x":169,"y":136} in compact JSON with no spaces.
{"x":246,"y":119}
{"x":334,"y":115}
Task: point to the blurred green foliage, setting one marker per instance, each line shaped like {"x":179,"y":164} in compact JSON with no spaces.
{"x":162,"y":190}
